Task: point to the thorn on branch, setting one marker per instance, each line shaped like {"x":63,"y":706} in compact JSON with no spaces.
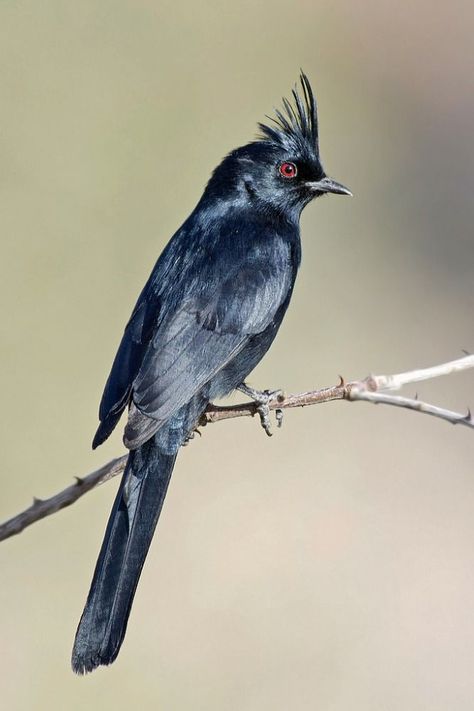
{"x":79,"y":480}
{"x":36,"y":502}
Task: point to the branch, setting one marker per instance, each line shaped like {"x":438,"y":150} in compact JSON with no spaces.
{"x":371,"y":389}
{"x":40,"y":508}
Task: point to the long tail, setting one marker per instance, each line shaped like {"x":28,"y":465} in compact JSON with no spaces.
{"x":128,"y":536}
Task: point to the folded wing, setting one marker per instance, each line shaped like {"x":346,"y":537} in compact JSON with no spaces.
{"x":199,"y":339}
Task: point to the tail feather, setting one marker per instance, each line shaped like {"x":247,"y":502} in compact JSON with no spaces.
{"x":128,"y":536}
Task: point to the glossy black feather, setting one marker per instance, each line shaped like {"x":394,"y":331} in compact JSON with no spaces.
{"x":215,"y":285}
{"x":127,"y":538}
{"x":208,"y":313}
{"x":297,"y":126}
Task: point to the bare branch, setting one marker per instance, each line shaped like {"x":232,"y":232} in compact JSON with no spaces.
{"x":216,"y":413}
{"x":40,"y":508}
{"x":455,"y":418}
{"x":368,"y":390}
{"x":397,"y":381}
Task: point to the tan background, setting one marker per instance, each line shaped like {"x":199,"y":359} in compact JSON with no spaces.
{"x":331,"y":567}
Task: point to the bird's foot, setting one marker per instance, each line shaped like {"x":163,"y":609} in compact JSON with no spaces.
{"x":262,"y":399}
{"x":191,"y":435}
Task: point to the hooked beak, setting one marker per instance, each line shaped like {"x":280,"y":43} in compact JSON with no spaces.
{"x":328,"y":185}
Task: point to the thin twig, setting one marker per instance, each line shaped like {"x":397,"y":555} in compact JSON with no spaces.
{"x":397,"y":381}
{"x":455,"y":418}
{"x":40,"y":508}
{"x":369,"y":389}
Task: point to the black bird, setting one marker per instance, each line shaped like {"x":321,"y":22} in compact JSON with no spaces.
{"x":207,"y":315}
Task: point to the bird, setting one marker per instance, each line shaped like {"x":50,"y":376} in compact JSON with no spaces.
{"x":208,"y":313}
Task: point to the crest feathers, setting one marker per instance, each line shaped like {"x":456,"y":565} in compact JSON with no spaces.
{"x":297,"y":125}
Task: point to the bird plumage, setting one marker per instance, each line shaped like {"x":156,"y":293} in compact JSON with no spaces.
{"x":296,"y":127}
{"x":206,"y":316}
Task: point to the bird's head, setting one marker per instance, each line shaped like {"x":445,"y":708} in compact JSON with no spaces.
{"x":282,"y":169}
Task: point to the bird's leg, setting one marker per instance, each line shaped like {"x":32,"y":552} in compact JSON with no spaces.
{"x":262,"y":399}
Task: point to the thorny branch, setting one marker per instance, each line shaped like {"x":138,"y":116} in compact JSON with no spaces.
{"x":374,"y":388}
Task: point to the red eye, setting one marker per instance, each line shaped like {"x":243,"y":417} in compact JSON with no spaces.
{"x":288,"y":170}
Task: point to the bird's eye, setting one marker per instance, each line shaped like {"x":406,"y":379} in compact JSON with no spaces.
{"x":288,"y":170}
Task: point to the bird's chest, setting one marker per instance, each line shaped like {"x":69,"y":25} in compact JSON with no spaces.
{"x":275,"y":252}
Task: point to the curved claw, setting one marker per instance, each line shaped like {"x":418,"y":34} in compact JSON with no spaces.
{"x":191,"y":436}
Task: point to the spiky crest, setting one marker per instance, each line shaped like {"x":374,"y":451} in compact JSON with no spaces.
{"x":297,"y":126}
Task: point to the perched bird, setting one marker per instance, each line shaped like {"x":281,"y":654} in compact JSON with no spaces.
{"x":207,"y":315}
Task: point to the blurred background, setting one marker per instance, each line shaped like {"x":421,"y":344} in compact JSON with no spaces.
{"x":331,"y":567}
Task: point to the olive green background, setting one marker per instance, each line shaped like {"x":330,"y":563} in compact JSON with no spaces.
{"x":328,"y":568}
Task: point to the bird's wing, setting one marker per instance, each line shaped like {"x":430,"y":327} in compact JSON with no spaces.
{"x":196,"y":341}
{"x":127,"y":362}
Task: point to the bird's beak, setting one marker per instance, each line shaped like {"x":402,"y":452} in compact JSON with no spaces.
{"x":328,"y":185}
